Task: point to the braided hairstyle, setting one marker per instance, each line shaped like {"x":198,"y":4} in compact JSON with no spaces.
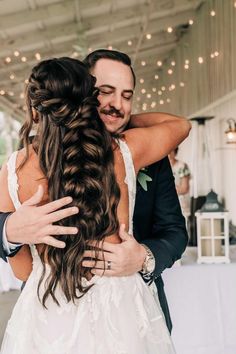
{"x":76,"y":156}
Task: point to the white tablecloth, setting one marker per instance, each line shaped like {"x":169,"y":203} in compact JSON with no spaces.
{"x":202,"y":301}
{"x":7,"y":278}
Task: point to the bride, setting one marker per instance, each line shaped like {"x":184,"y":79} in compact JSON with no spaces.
{"x":63,"y":309}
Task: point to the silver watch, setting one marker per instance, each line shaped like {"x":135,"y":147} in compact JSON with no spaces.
{"x":149,"y":262}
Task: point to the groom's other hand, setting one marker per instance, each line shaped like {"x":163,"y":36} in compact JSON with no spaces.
{"x":33,"y":224}
{"x":125,"y":258}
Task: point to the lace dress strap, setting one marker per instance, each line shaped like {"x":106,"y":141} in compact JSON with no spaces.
{"x":130,"y":179}
{"x":12,"y":180}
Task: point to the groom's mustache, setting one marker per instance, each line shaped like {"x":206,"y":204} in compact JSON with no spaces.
{"x":112,"y":112}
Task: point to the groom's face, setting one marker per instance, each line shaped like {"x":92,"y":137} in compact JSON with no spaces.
{"x":116,"y":86}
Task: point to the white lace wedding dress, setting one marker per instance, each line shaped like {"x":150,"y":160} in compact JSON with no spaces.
{"x":118,"y":315}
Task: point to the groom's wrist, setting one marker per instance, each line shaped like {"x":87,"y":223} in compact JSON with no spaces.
{"x":149,"y":262}
{"x":8,"y":245}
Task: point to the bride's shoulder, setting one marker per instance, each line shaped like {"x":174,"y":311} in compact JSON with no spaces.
{"x":22,"y":153}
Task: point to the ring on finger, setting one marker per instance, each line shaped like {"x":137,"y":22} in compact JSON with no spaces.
{"x":108,"y":265}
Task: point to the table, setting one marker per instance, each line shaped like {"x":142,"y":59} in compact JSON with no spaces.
{"x":202,"y":301}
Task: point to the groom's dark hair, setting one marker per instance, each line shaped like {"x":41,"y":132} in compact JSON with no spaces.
{"x":91,"y":59}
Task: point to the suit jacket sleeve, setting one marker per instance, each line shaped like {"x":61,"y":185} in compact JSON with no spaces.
{"x":3,"y":255}
{"x":3,"y":217}
{"x":169,"y":237}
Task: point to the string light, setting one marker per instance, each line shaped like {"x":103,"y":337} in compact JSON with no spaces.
{"x":159,"y":63}
{"x":2,"y":92}
{"x":38,"y":56}
{"x":161,"y":102}
{"x":141,"y":81}
{"x":8,"y":59}
{"x":148,"y":36}
{"x":22,"y":95}
{"x":143,"y":91}
{"x":109,"y":47}
{"x":149,"y":95}
{"x":156,"y":77}
{"x":200,"y":60}
{"x":186,"y":66}
{"x":181,"y":84}
{"x":75,"y":55}
{"x":153,"y":104}
{"x":138,"y":99}
{"x":129,"y":43}
{"x":23,"y":59}
{"x":154,"y":89}
{"x":143,"y":62}
{"x":159,"y":92}
{"x":212,"y":55}
{"x":173,"y":63}
{"x":187,"y":61}
{"x":235,"y":4}
{"x":26,"y":81}
{"x":172,"y":87}
{"x":213,"y":13}
{"x":170,"y":71}
{"x":168,"y":100}
{"x":190,"y":22}
{"x":11,"y":93}
{"x":16,"y":53}
{"x":216,"y":53}
{"x":169,"y":29}
{"x":12,"y":76}
{"x":163,"y":88}
{"x":144,"y":106}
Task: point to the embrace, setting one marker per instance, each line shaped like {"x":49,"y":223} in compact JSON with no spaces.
{"x":68,"y":203}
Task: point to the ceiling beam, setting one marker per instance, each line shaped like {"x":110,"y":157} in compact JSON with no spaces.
{"x":59,"y":34}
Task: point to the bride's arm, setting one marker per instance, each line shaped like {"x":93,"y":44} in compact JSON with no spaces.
{"x":148,"y":119}
{"x":154,"y":136}
{"x":21,"y":263}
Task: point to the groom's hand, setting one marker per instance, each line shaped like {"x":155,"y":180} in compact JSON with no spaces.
{"x":33,"y":224}
{"x":121,"y":259}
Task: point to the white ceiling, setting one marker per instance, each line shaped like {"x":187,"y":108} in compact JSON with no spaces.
{"x":55,"y":28}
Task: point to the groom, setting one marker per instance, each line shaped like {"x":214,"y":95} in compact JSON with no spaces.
{"x":159,"y":227}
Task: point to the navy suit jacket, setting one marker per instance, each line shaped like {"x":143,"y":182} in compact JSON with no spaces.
{"x":158,"y":223}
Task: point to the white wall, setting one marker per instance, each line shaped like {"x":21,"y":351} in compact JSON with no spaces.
{"x":223,"y":155}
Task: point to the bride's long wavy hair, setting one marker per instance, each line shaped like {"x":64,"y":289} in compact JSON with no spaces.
{"x":76,"y":156}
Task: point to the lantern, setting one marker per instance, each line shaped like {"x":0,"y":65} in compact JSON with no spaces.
{"x":212,"y":231}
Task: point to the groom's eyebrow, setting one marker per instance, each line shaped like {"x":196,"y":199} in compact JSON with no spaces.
{"x":113,"y":88}
{"x":106,"y":86}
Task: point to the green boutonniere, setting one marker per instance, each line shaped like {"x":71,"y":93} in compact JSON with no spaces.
{"x":143,"y":178}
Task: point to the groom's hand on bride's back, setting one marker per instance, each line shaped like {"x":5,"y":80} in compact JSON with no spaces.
{"x":33,"y":224}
